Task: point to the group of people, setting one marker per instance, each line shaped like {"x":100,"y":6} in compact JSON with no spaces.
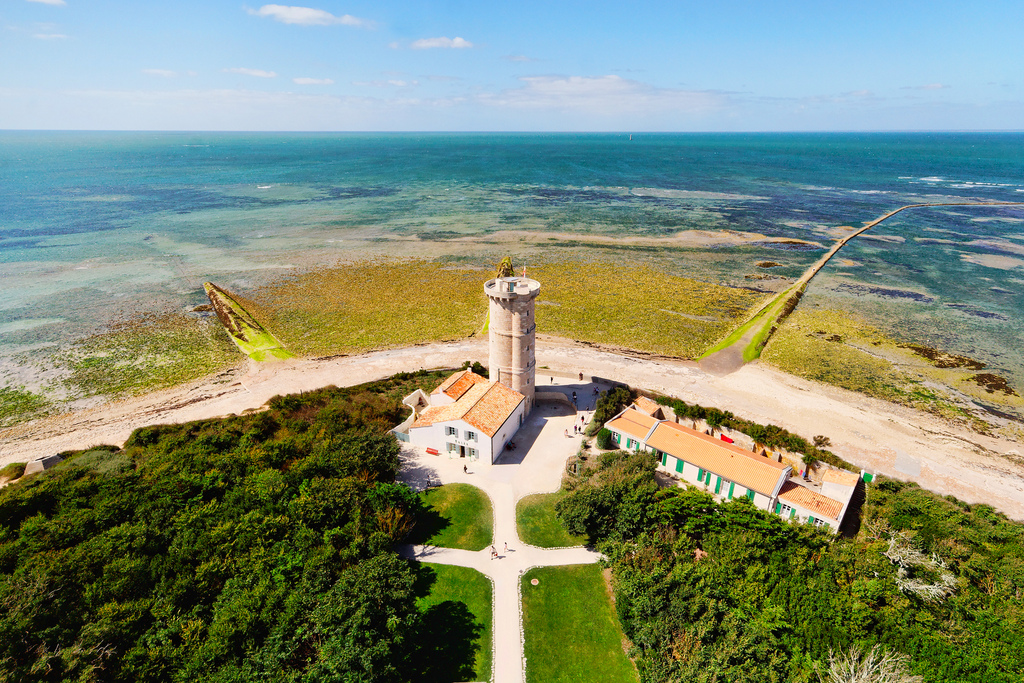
{"x":577,"y":427}
{"x":494,"y":553}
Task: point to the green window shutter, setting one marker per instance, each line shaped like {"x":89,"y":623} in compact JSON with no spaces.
{"x":707,"y":478}
{"x":750,"y":495}
{"x":679,"y":465}
{"x":664,"y":460}
{"x":732,"y":487}
{"x":824,"y":525}
{"x":700,"y":474}
{"x":718,"y":485}
{"x":810,"y":520}
{"x":778,"y":508}
{"x":792,"y":513}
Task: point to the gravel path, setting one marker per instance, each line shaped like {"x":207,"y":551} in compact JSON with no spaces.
{"x":874,"y":434}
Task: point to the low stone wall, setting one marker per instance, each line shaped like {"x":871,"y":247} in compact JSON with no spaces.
{"x":552,"y":397}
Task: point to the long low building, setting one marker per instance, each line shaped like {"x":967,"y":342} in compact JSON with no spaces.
{"x":727,"y":471}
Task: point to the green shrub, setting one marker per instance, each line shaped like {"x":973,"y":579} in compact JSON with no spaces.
{"x":604,"y":440}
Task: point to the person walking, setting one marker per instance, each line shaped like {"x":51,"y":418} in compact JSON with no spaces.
{"x":567,"y":433}
{"x":494,"y":553}
{"x":506,"y":546}
{"x":465,"y":469}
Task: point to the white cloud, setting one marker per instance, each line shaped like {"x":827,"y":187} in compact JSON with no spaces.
{"x":49,"y":36}
{"x":605,"y":96}
{"x":55,"y":3}
{"x":313,"y":81}
{"x":428,"y":43}
{"x":306,"y":16}
{"x":393,"y":83}
{"x":258,"y":73}
{"x":166,"y":73}
{"x":518,"y":58}
{"x":930,"y":86}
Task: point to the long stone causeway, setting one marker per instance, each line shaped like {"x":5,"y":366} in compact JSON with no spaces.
{"x":535,"y":467}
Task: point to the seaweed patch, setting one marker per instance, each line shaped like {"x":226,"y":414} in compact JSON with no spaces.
{"x":993,"y":383}
{"x":861,"y":290}
{"x":941,"y":359}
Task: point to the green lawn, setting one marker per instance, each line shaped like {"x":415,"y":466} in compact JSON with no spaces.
{"x":458,"y":516}
{"x":538,"y":525}
{"x":458,"y":611}
{"x":572,"y":633}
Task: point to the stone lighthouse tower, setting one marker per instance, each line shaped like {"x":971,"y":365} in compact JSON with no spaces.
{"x":512,"y":330}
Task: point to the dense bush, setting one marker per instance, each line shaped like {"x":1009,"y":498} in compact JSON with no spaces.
{"x":609,"y":404}
{"x":728,"y":592}
{"x":604,"y":439}
{"x":248,"y":548}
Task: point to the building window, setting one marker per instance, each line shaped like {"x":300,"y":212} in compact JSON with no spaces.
{"x":820,"y":523}
{"x":785,"y":509}
{"x":452,"y":447}
{"x":618,"y":437}
{"x":451,"y":431}
{"x":470,"y":436}
{"x":472,"y":452}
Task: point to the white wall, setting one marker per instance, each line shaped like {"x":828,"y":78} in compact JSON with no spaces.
{"x":507,"y":431}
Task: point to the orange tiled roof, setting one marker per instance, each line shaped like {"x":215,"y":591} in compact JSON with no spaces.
{"x":491,"y":411}
{"x":459,"y":383}
{"x":646,"y":406}
{"x":812,"y":501}
{"x":750,"y":470}
{"x":632,"y":422}
{"x":485,"y":406}
{"x":841,"y":477}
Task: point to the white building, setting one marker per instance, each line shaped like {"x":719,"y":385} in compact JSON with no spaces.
{"x":466,"y":417}
{"x":727,"y":471}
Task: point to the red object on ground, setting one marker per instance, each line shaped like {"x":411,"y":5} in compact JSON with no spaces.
{"x":726,"y":439}
{"x":433,"y":451}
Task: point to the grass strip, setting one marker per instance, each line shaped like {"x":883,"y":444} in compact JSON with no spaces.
{"x":571,"y":631}
{"x":538,"y":524}
{"x":457,"y":516}
{"x":458,"y":607}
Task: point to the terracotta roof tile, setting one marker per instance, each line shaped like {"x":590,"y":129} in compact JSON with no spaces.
{"x":496,"y":406}
{"x":812,"y":501}
{"x":459,"y":383}
{"x":750,"y":470}
{"x":632,"y":422}
{"x":841,"y":477}
{"x":646,"y":406}
{"x":484,"y":405}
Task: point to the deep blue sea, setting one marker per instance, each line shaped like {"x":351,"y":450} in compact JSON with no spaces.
{"x":92,"y":223}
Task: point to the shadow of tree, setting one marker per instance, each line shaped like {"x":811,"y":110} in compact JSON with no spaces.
{"x":448,"y":643}
{"x":428,"y":523}
{"x":447,"y":640}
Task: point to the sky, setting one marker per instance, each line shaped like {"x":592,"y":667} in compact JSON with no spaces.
{"x":519,"y":65}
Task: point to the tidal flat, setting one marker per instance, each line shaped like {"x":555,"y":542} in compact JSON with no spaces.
{"x":660,"y":245}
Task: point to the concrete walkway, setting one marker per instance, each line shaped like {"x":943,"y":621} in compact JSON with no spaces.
{"x":536,"y":466}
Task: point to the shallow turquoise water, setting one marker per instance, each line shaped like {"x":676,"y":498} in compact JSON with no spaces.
{"x":90,"y":222}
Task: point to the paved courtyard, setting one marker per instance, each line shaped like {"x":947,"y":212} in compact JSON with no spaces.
{"x":536,"y":466}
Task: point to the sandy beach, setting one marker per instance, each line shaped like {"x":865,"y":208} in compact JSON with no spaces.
{"x":873,"y":434}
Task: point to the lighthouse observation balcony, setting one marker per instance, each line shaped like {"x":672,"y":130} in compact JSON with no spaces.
{"x":511,"y":287}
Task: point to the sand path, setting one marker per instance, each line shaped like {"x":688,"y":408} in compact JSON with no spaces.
{"x":879,"y":436}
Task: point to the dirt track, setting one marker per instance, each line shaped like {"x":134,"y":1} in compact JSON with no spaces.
{"x":873,"y":434}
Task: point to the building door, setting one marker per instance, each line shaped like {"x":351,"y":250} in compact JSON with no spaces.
{"x":462,"y":451}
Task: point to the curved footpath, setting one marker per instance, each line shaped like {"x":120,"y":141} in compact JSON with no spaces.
{"x":873,"y":434}
{"x":539,"y":470}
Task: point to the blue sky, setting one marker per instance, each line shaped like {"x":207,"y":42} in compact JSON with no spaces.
{"x":726,"y":65}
